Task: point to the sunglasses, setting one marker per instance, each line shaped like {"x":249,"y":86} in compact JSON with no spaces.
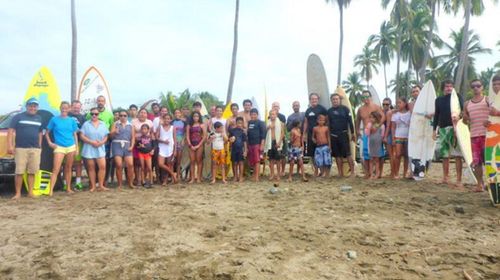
{"x":123,"y":116}
{"x":385,"y":104}
{"x":94,"y":114}
{"x":364,"y":97}
{"x":476,"y":86}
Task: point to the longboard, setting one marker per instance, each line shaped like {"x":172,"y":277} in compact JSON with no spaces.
{"x":420,"y":143}
{"x":344,"y":100}
{"x":91,"y":86}
{"x":492,"y":150}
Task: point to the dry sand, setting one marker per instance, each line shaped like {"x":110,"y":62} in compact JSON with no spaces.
{"x":398,"y":229}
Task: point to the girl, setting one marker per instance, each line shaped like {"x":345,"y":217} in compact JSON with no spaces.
{"x":400,"y":124}
{"x":145,"y":151}
{"x":180,"y":131}
{"x":195,"y":137}
{"x":375,"y":131}
{"x":166,"y":147}
{"x":137,"y":123}
{"x":65,"y":145}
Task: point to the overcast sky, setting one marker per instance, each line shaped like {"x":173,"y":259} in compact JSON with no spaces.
{"x":146,"y":47}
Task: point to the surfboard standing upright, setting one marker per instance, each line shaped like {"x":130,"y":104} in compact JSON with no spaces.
{"x":316,"y":80}
{"x":463,"y":138}
{"x":420,"y":143}
{"x":492,"y":151}
{"x":93,"y":85}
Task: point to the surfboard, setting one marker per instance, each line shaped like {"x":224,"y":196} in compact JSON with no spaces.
{"x":44,"y":88}
{"x":492,"y":149}
{"x":207,"y":147}
{"x":421,"y":146}
{"x":316,"y":80}
{"x":92,"y":85}
{"x":462,"y":134}
{"x":203,"y":111}
{"x":345,"y":101}
{"x":375,"y":96}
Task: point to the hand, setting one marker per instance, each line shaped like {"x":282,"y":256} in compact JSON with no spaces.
{"x":385,"y":140}
{"x":434,"y":135}
{"x":166,"y":141}
{"x":95,"y":143}
{"x":245,"y":154}
{"x":10,"y":150}
{"x":130,"y":149}
{"x":77,"y":152}
{"x":232,"y":139}
{"x":486,"y":123}
{"x":52,"y":146}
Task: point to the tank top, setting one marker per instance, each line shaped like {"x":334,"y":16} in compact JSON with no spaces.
{"x":478,"y":114}
{"x":166,"y":150}
{"x":195,"y":134}
{"x":218,"y":143}
{"x":180,"y":127}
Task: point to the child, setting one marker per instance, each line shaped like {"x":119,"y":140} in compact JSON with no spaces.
{"x":375,"y":131}
{"x":256,"y":140}
{"x":400,"y":125}
{"x":296,"y":153}
{"x":238,"y":139}
{"x":180,"y":130}
{"x":166,"y":147}
{"x":274,"y":144}
{"x":195,"y":137}
{"x":322,"y":154}
{"x":145,"y":149}
{"x":218,"y":139}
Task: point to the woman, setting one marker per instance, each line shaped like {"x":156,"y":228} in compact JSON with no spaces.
{"x":166,"y":135}
{"x":142,"y":118}
{"x":196,"y":134}
{"x":180,"y":131}
{"x":123,"y":136}
{"x":94,"y":134}
{"x":65,"y":145}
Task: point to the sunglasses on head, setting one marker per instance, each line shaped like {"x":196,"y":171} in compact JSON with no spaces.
{"x":476,"y":86}
{"x":365,"y":96}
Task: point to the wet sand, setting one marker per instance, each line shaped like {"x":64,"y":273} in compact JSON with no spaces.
{"x":398,"y":230}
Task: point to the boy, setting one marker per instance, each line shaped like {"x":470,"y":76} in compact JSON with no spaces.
{"x":256,"y":140}
{"x":296,"y":153}
{"x":238,"y":140}
{"x":322,"y":154}
{"x":274,"y":143}
{"x":218,"y":138}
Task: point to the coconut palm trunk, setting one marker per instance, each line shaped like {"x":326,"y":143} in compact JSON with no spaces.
{"x":398,"y":63}
{"x":235,"y":49}
{"x":385,"y":81}
{"x":463,"y":47}
{"x":341,"y":42}
{"x":421,"y":71}
{"x":73,"y":50}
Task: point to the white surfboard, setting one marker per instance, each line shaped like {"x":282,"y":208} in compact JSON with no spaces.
{"x":345,"y":101}
{"x":93,"y":85}
{"x":463,"y":138}
{"x":316,"y":80}
{"x":375,"y":96}
{"x":420,"y":143}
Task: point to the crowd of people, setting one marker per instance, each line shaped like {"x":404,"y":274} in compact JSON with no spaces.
{"x":149,"y":146}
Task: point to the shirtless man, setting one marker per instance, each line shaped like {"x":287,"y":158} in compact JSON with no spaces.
{"x":322,"y":153}
{"x":231,"y":121}
{"x":245,"y":114}
{"x":363,"y":115}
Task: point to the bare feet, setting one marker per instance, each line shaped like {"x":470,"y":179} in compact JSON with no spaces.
{"x":304,"y":179}
{"x":212,"y":182}
{"x":289,"y":180}
{"x":191,"y":181}
{"x":16,"y":197}
{"x":69,"y":191}
{"x":478,"y":189}
{"x":224,"y":182}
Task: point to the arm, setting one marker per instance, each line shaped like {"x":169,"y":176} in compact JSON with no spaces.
{"x":10,"y":141}
{"x":314,"y":135}
{"x":40,"y":136}
{"x":174,"y":132}
{"x":382,"y":120}
{"x":113,"y":131}
{"x":203,"y":135}
{"x":282,"y":136}
{"x":132,"y":141}
{"x":49,"y":141}
{"x":393,"y":128}
{"x":358,"y":124}
{"x":188,"y":140}
{"x":304,"y":132}
{"x":466,"y":116}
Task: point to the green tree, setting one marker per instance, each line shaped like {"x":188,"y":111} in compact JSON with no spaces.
{"x":485,"y":77}
{"x":186,"y":99}
{"x":353,"y":88}
{"x":235,"y":50}
{"x":497,"y":65}
{"x":402,"y":85}
{"x":367,"y":61}
{"x":73,"y":50}
{"x":384,"y":47}
{"x":341,"y":4}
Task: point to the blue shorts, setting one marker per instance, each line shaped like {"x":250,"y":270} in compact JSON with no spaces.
{"x":323,"y":156}
{"x":295,"y":154}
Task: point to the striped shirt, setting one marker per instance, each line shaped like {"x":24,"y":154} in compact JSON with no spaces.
{"x":478,"y":114}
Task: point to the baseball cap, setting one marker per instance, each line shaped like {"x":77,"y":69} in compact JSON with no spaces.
{"x":32,"y":100}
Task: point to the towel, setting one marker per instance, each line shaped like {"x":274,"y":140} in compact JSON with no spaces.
{"x":277,"y":135}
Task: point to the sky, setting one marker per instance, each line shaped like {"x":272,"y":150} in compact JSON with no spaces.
{"x":170,"y":45}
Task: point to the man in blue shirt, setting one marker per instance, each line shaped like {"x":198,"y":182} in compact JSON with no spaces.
{"x":27,"y":148}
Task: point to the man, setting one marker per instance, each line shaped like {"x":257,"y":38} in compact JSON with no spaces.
{"x":340,"y":120}
{"x":362,"y":118}
{"x":75,"y":113}
{"x":284,"y":151}
{"x":157,"y":120}
{"x":310,"y":121}
{"x":231,"y":121}
{"x":155,"y":113}
{"x":245,"y":114}
{"x":446,"y":133}
{"x":295,"y":116}
{"x":213,"y":111}
{"x":476,"y":112}
{"x":27,"y":148}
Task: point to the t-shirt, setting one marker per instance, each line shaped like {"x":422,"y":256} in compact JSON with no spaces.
{"x":180,"y":128}
{"x":27,"y":129}
{"x":311,"y":115}
{"x":156,"y":124}
{"x":63,"y":129}
{"x":107,"y":117}
{"x":402,"y":121}
{"x":218,"y":142}
{"x":79,"y":118}
{"x":240,"y":136}
{"x":340,"y":119}
{"x":256,"y":132}
{"x":442,"y":112}
{"x":136,"y":123}
{"x":144,"y":144}
{"x":299,"y":116}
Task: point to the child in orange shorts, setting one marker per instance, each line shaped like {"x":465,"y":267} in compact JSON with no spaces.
{"x":218,"y":138}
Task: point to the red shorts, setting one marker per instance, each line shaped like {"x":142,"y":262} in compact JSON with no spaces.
{"x":253,"y":154}
{"x":478,"y":144}
{"x":147,"y":156}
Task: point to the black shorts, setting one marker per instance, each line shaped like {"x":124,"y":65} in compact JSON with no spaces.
{"x":274,"y":154}
{"x":340,"y":145}
{"x":236,"y":155}
{"x":311,"y":147}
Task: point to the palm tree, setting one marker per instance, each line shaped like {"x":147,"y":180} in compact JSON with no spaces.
{"x":368,"y":62}
{"x":73,"y":51}
{"x":402,"y":84}
{"x":384,"y":46}
{"x":353,"y":88}
{"x":235,"y":49}
{"x":341,"y":4}
{"x":485,"y":77}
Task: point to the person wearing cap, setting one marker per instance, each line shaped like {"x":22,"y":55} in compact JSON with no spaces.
{"x":28,"y":142}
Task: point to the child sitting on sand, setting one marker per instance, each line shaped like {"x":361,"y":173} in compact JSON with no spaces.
{"x":375,"y":131}
{"x":296,"y":153}
{"x":145,"y":149}
{"x":218,"y":138}
{"x":238,"y":139}
{"x":322,"y":154}
{"x":274,"y":144}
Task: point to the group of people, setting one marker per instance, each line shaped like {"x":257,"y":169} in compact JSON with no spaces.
{"x":150,"y":145}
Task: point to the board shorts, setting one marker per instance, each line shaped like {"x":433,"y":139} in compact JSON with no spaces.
{"x":311,"y":146}
{"x":65,"y":150}
{"x":389,"y":139}
{"x":340,"y":145}
{"x":146,"y":156}
{"x":253,"y":154}
{"x":27,"y":160}
{"x":237,"y":155}
{"x":448,"y":143}
{"x":478,"y":145}
{"x":219,"y":156}
{"x":295,"y":154}
{"x":322,"y":156}
{"x":120,"y":149}
{"x":274,"y":153}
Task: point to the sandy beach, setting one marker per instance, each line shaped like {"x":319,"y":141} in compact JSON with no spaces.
{"x":396,"y":230}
